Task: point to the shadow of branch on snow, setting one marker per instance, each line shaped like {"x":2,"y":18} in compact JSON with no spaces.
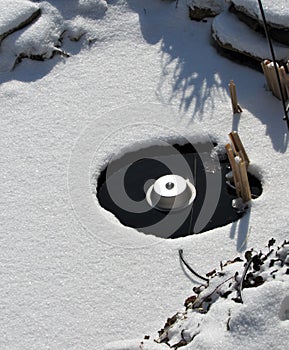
{"x":191,"y":74}
{"x":187,"y":69}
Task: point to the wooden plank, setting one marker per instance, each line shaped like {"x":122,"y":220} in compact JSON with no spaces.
{"x":238,"y":146}
{"x":283,"y":77}
{"x":274,"y":81}
{"x":233,"y":93}
{"x":245,"y":186}
{"x":265,"y":68}
{"x":234,"y":169}
{"x":238,"y":172}
{"x":285,"y":82}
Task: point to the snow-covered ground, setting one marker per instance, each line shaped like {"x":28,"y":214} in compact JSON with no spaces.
{"x":72,"y":277}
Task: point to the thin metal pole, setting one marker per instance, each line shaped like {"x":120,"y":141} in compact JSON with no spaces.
{"x":274,"y":62}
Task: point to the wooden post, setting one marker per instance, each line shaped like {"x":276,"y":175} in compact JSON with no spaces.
{"x":268,"y":75}
{"x":235,"y":172}
{"x":238,"y":147}
{"x":239,"y":161}
{"x":241,"y":170}
{"x":272,"y":81}
{"x":245,"y":187}
{"x":283,"y":77}
{"x":233,"y":93}
{"x":266,"y":69}
{"x":285,"y":82}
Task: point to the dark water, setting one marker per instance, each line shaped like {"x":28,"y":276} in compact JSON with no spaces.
{"x":208,"y":174}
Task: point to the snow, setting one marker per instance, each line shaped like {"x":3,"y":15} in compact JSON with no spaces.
{"x":43,"y":38}
{"x":225,"y":27}
{"x":15,"y":13}
{"x":135,"y":345}
{"x":72,"y":277}
{"x":92,"y":7}
{"x":276,"y":12}
{"x":39,"y":39}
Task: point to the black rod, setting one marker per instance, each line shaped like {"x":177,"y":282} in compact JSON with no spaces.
{"x":190,"y":268}
{"x":274,"y":62}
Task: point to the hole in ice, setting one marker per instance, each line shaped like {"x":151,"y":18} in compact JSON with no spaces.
{"x":161,"y":190}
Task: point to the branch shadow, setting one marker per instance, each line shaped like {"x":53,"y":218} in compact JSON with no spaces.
{"x":268,"y":109}
{"x":186,"y":64}
{"x":192,"y":74}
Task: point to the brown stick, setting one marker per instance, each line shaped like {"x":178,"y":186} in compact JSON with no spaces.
{"x":271,"y":79}
{"x":233,"y":93}
{"x":283,"y":77}
{"x":238,"y":146}
{"x":245,"y":187}
{"x":285,"y":82}
{"x":276,"y":91}
{"x":238,"y":171}
{"x":232,"y":161}
{"x":265,"y":68}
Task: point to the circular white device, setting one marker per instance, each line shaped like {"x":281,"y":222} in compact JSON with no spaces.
{"x":171,"y":192}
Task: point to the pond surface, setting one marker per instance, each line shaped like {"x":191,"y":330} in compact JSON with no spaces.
{"x":202,"y":164}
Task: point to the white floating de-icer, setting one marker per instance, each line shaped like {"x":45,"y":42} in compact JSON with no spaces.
{"x":171,"y":192}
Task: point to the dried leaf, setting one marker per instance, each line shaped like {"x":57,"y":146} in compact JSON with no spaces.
{"x":271,"y":242}
{"x":211,"y":273}
{"x":257,"y":262}
{"x":248,"y":255}
{"x":237,"y":300}
{"x":190,"y":300}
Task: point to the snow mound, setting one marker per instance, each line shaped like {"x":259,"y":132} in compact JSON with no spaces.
{"x":16,"y":14}
{"x":236,"y":36}
{"x":277,"y":12}
{"x":92,"y":8}
{"x":43,"y":38}
{"x":40,"y":40}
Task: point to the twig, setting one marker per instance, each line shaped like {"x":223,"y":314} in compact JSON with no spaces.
{"x":229,"y":320}
{"x":218,"y":286}
{"x":189,"y":267}
{"x":233,"y":94}
{"x":243,"y":278}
